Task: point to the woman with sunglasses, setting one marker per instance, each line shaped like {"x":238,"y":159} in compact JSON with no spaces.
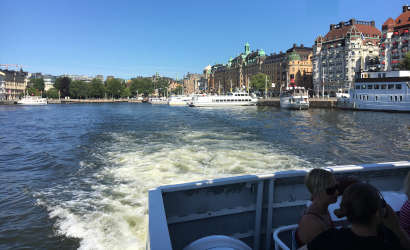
{"x":324,"y":191}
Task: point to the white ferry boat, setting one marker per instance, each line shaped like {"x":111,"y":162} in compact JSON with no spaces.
{"x":158,"y":100}
{"x":382,"y":91}
{"x":231,"y":99}
{"x":251,"y":211}
{"x":180,"y":100}
{"x":294,"y":97}
{"x":32,"y":100}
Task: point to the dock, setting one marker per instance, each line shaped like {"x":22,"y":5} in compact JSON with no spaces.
{"x":328,"y":103}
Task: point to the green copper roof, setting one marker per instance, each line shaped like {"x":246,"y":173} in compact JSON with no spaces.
{"x":294,"y":56}
{"x":261,"y":52}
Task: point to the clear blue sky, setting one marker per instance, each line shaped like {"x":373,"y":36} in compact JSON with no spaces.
{"x":131,"y":38}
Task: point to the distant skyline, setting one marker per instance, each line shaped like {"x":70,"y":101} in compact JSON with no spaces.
{"x":139,"y":38}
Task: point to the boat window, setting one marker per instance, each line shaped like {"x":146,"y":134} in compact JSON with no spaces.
{"x":370,"y":86}
{"x":384,"y":74}
{"x":395,"y":98}
{"x":383,"y":86}
{"x":364,"y":86}
{"x":367,"y":97}
{"x":391,"y":86}
{"x":391,"y":98}
{"x":376,"y":86}
{"x":398,"y":86}
{"x":357,"y":86}
{"x":376,"y":97}
{"x":360,"y":97}
{"x":401,"y":98}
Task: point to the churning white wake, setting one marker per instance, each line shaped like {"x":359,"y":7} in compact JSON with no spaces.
{"x":113,"y":213}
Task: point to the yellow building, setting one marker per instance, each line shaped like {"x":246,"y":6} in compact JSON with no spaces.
{"x":15,"y":83}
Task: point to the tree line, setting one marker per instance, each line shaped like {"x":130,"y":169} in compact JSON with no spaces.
{"x":111,"y":88}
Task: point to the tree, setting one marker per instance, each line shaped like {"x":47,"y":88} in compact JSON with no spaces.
{"x":141,"y":86}
{"x":97,"y":89}
{"x":79,"y":89}
{"x":37,"y":84}
{"x":32,"y":91}
{"x":52,"y":93}
{"x":405,"y":63}
{"x":258,"y":82}
{"x":125,"y":92}
{"x":177,"y":90}
{"x":63,"y":85}
{"x":114,"y":87}
{"x":162,"y":86}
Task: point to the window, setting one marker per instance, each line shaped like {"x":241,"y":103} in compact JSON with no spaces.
{"x":376,"y":97}
{"x":383,"y":86}
{"x":401,"y":98}
{"x":398,"y":86}
{"x":391,"y":86}
{"x":391,"y":98}
{"x":376,"y":86}
{"x":364,"y":86}
{"x":358,"y":86}
{"x":384,"y":74}
{"x":395,"y":98}
{"x":370,"y":86}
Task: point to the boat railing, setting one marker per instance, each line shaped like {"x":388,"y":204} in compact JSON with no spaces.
{"x":290,"y":230}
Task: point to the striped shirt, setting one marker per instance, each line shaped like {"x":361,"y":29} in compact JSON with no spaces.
{"x":405,"y":217}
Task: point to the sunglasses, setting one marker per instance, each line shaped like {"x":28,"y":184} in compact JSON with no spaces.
{"x":331,"y":190}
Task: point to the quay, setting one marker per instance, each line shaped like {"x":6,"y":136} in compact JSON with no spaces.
{"x":328,"y":103}
{"x":74,"y":101}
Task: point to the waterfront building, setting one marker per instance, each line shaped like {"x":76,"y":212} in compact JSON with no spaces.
{"x":394,"y":43}
{"x":346,"y":50}
{"x":83,"y":78}
{"x":15,"y":83}
{"x":2,"y":87}
{"x":292,"y":67}
{"x":191,"y":83}
{"x":100,"y":77}
{"x":49,"y":81}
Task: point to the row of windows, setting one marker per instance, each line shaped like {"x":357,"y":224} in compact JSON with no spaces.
{"x":231,"y":100}
{"x":378,"y":86}
{"x":377,"y":98}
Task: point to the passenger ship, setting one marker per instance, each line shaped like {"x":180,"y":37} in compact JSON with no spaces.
{"x":383,"y":91}
{"x":32,"y":100}
{"x":294,"y":97}
{"x":179,"y":100}
{"x":232,"y":99}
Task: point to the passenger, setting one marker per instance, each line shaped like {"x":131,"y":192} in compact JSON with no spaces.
{"x":324,"y":191}
{"x":374,"y":224}
{"x":404,"y":216}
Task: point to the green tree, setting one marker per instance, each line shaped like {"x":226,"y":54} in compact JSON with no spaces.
{"x":258,"y":82}
{"x":97,"y":89}
{"x":125,"y":92}
{"x":142,"y":86}
{"x":79,"y":89}
{"x":114,"y":87}
{"x":37,"y":84}
{"x":405,"y":62}
{"x":177,"y":90}
{"x":33,"y":91}
{"x":162,"y":86}
{"x":63,"y":85}
{"x":52,"y":93}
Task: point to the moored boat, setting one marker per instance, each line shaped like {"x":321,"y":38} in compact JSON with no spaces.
{"x":379,"y":91}
{"x":231,"y":99}
{"x":32,"y":100}
{"x":180,"y":100}
{"x":158,"y":100}
{"x":294,"y":97}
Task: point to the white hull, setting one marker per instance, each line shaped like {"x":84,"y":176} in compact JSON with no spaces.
{"x":234,"y":99}
{"x":293,"y":103}
{"x":375,"y":106}
{"x":179,"y":100}
{"x":32,"y":100}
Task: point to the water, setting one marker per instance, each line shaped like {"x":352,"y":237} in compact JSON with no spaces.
{"x":77,"y":176}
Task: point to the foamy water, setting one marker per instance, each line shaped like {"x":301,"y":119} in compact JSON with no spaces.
{"x":118,"y":218}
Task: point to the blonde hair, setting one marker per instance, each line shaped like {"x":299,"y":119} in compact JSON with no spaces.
{"x":318,"y":180}
{"x":406,"y":186}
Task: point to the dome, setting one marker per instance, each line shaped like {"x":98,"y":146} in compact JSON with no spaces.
{"x":294,"y":56}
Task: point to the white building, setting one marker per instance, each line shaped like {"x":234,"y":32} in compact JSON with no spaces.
{"x":2,"y":87}
{"x":346,"y":50}
{"x":394,"y":43}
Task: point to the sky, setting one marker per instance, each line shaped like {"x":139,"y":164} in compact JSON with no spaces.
{"x":127,"y":38}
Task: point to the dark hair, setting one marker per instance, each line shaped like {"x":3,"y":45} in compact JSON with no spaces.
{"x":360,"y":202}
